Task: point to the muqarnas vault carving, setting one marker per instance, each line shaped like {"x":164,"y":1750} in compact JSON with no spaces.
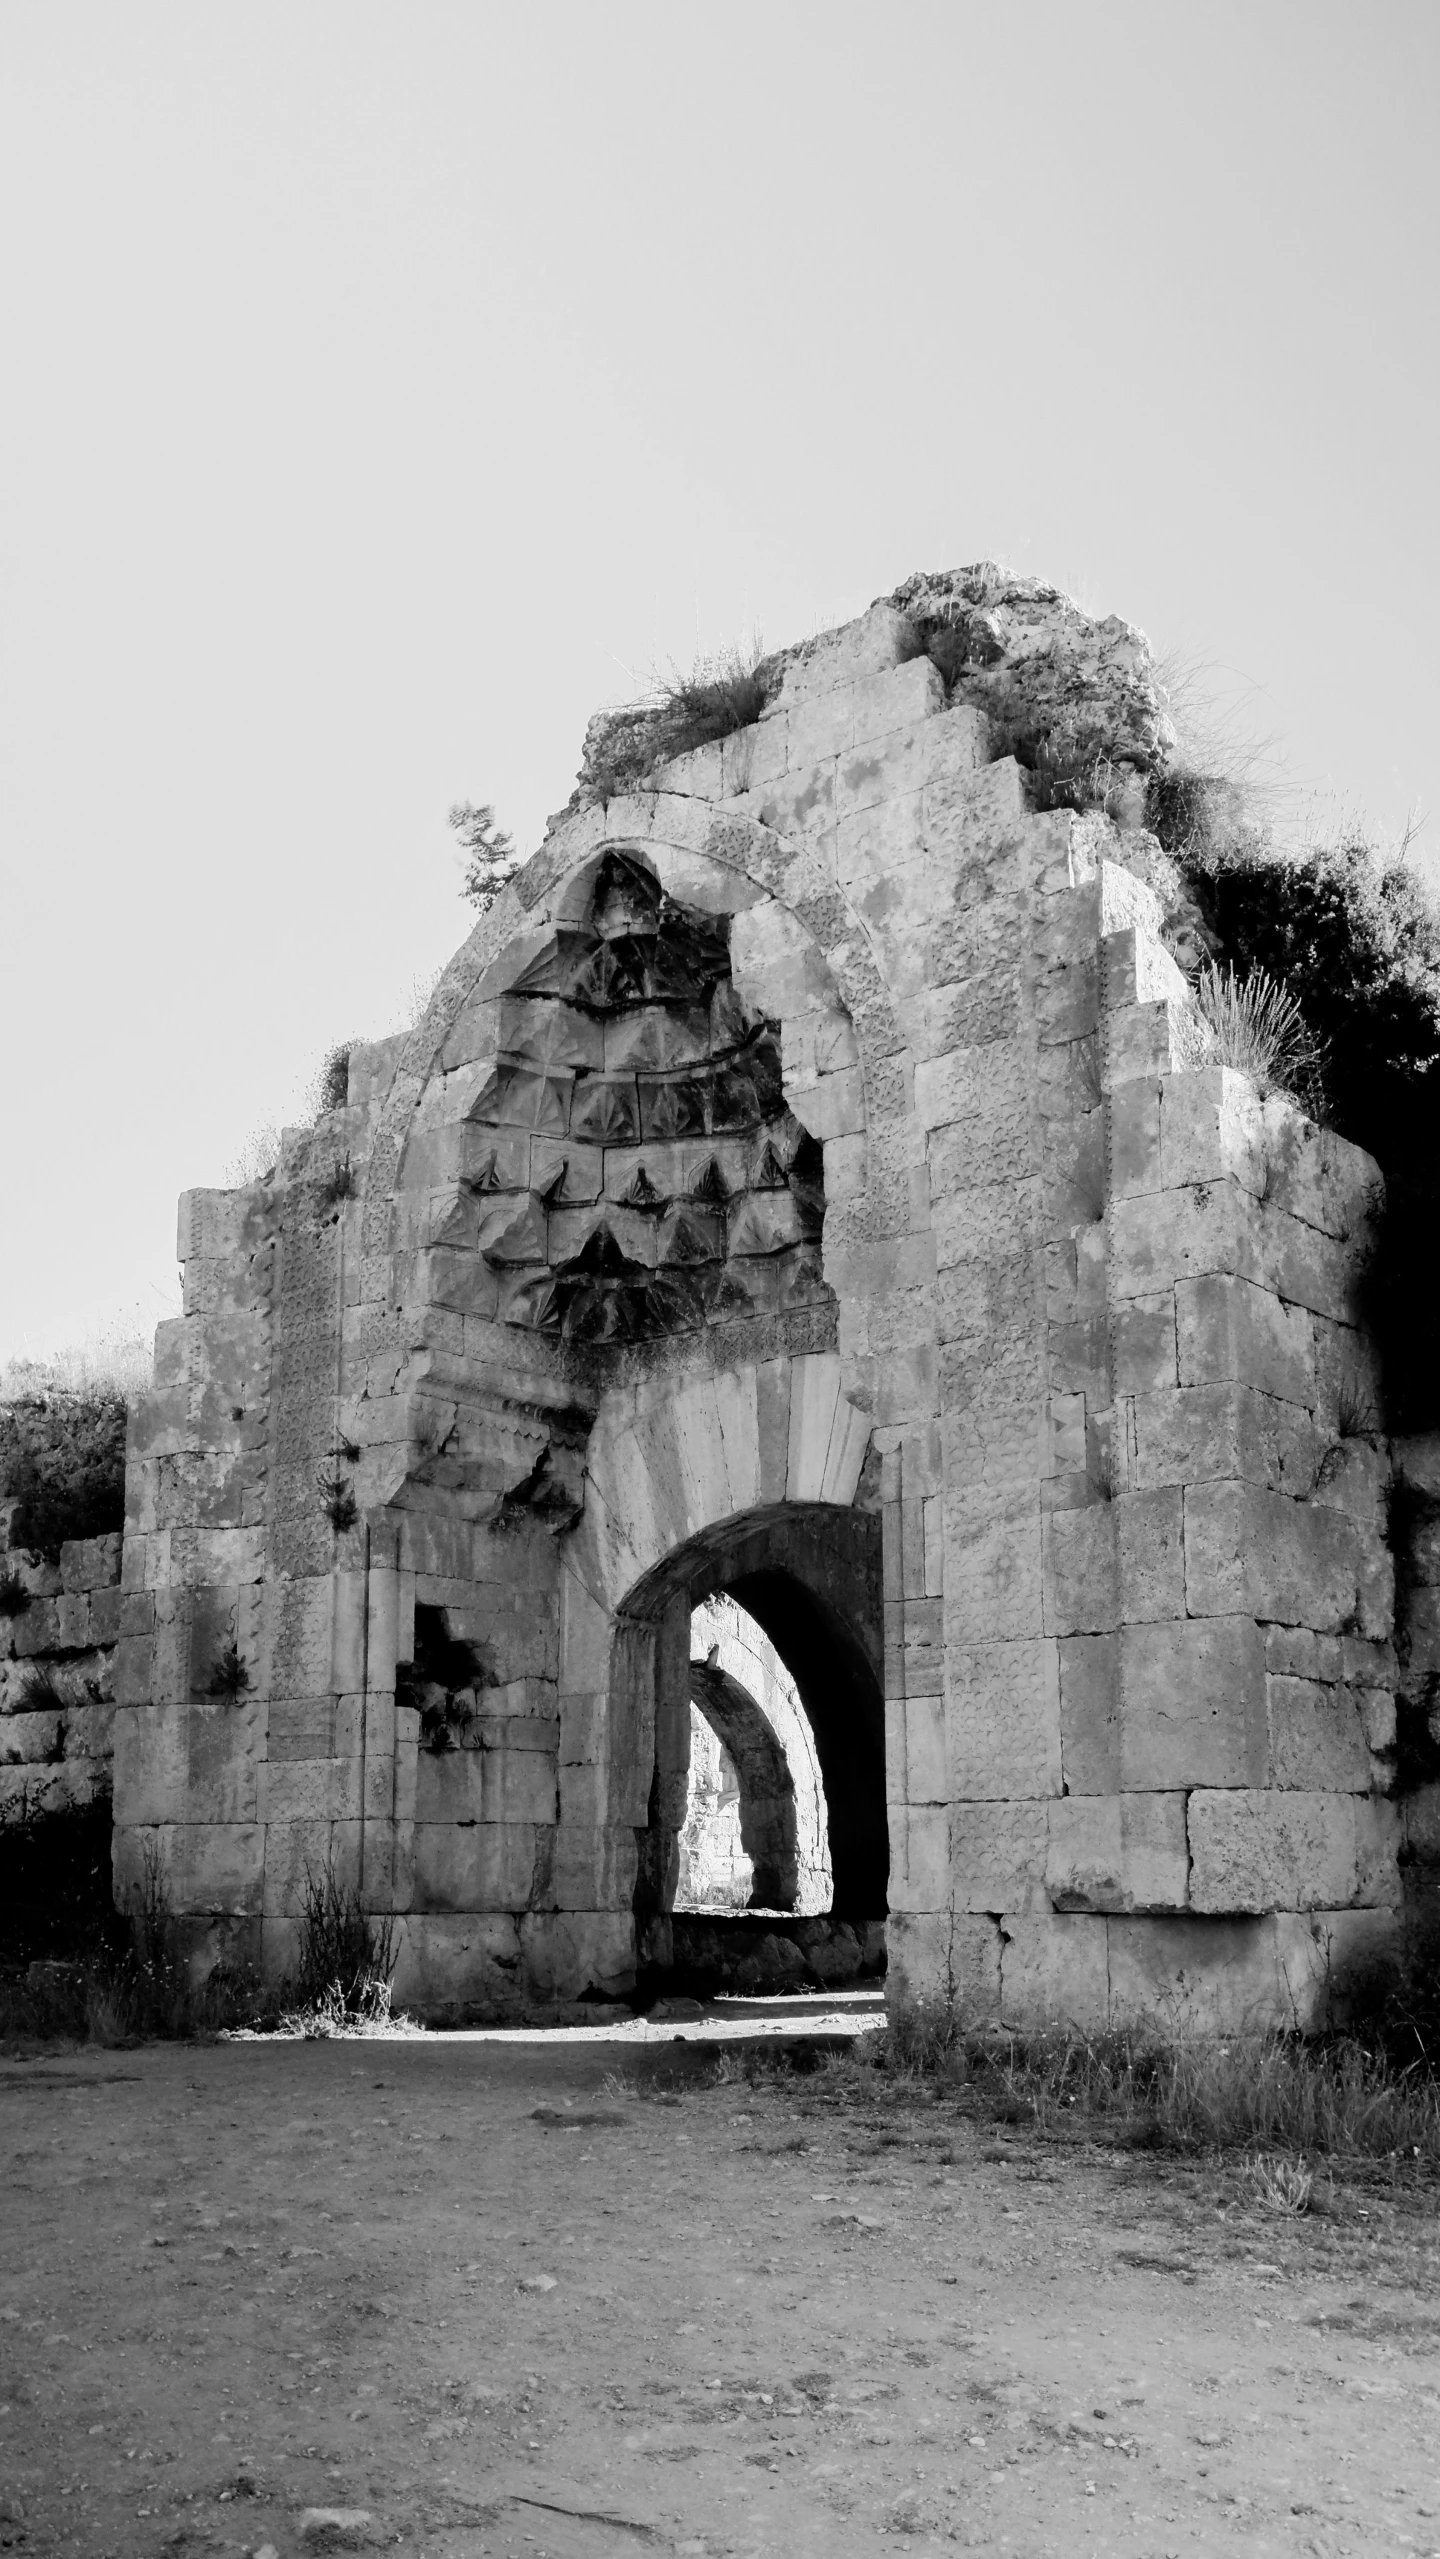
{"x":646,"y":1176}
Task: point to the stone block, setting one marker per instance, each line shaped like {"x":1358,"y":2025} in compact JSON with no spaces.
{"x":1118,"y":1853}
{"x":1229,"y":1328}
{"x":1194,"y":1706}
{"x":1080,"y":1570}
{"x":445,"y":1962}
{"x":1054,"y":1972}
{"x":997,"y":1854}
{"x":1376,"y":1709}
{"x":877,"y":641}
{"x":1208,"y":1976}
{"x":920,"y":1870}
{"x":1272,"y":1850}
{"x":970,"y":1086}
{"x":134,"y":1656}
{"x":896,"y":698}
{"x":1150,"y":1554}
{"x":520,"y":1784}
{"x":1378,"y":1836}
{"x":1143,"y":1335}
{"x":1090,"y":1714}
{"x":1247,"y":1549}
{"x":1003,"y":1717}
{"x":106,"y":1607}
{"x":1203,"y":1434}
{"x":38,"y":1631}
{"x":297,"y":1623}
{"x":1319,"y":1177}
{"x":1134,"y":1136}
{"x":151,"y":1764}
{"x":486,"y":1866}
{"x":219,"y":1866}
{"x":1140,"y":1041}
{"x":1317,"y":1737}
{"x":936,"y":1959}
{"x":993,"y":1563}
{"x":205,"y":1866}
{"x":574,"y":1954}
{"x":159,"y":1423}
{"x":594,"y":1869}
{"x":925,"y":1764}
{"x":33,"y":1739}
{"x":1211,"y":1123}
{"x":450,"y":1786}
{"x":72,"y":1621}
{"x":309,"y":1790}
{"x":90,"y":1563}
{"x":224,"y":1742}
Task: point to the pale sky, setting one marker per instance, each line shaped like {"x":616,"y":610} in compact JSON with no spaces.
{"x":386,"y":387}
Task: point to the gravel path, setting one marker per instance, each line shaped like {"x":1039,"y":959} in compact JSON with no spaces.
{"x":479,"y":2293}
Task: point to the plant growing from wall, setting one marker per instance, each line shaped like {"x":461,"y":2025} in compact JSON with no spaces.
{"x":42,"y":1693}
{"x":491,"y":860}
{"x":230,"y":1676}
{"x":337,"y":1185}
{"x":14,"y":1597}
{"x":338,"y":1503}
{"x":442,"y":1680}
{"x":720,"y":695}
{"x":346,"y":1960}
{"x":1254,"y":1024}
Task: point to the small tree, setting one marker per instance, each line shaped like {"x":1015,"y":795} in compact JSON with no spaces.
{"x":491,"y":860}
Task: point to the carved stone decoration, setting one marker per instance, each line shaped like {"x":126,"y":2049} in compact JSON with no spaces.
{"x":623,"y":1042}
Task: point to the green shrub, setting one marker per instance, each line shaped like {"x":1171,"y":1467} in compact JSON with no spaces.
{"x":62,"y":1459}
{"x":1355,"y":942}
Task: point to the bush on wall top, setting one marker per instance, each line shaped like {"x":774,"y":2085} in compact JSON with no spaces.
{"x":62,"y":1461}
{"x":1355,"y":939}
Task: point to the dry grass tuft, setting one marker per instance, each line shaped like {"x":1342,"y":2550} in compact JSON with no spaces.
{"x":1255,"y":1025}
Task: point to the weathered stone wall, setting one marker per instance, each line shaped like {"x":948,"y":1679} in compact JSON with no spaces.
{"x":813,"y":1134}
{"x":57,"y":1657}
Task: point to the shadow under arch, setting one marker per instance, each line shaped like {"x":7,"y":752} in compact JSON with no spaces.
{"x":809,"y":1573}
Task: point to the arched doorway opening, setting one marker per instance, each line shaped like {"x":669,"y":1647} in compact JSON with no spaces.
{"x":807,"y":1575}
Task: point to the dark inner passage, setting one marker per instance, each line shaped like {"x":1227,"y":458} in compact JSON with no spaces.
{"x":810,"y":1576}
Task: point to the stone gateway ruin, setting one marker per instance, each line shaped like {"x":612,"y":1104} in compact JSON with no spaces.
{"x":808,"y":1193}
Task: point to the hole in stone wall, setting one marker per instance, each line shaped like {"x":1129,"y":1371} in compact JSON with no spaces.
{"x":756,"y":1832}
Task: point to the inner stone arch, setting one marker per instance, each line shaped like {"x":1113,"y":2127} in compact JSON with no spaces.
{"x":756,"y":1834}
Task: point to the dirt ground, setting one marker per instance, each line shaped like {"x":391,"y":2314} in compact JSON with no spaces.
{"x":472,"y":2291}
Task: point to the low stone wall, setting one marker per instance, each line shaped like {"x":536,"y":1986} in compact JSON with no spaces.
{"x":767,"y":1954}
{"x":57,"y":1694}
